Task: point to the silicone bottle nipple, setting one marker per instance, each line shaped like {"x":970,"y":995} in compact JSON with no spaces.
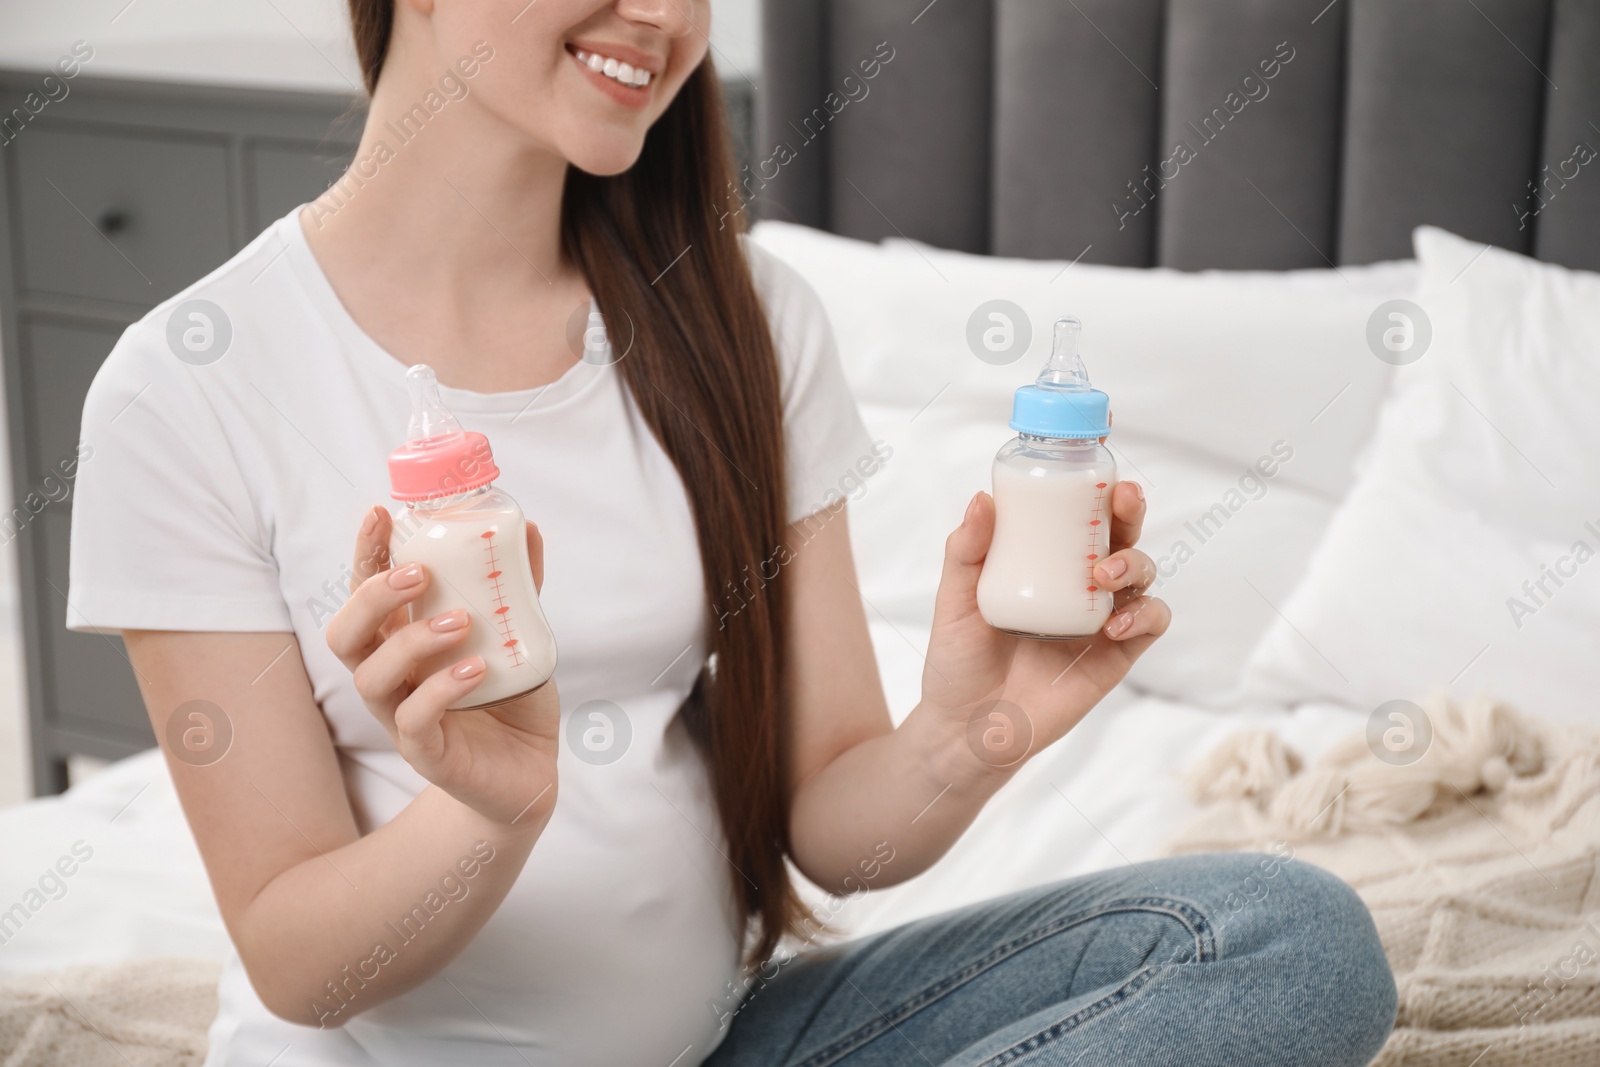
{"x":439,"y":458}
{"x":1065,"y":370}
{"x":1061,"y":403}
{"x":430,"y":419}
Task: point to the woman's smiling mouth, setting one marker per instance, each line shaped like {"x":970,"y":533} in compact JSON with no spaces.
{"x":619,"y":72}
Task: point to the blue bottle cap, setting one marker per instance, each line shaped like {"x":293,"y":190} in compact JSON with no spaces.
{"x":1061,"y":403}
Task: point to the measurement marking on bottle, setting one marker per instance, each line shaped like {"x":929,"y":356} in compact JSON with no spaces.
{"x":1096,"y":514}
{"x":502,"y":609}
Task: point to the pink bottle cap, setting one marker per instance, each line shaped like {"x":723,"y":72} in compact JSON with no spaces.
{"x":439,"y":458}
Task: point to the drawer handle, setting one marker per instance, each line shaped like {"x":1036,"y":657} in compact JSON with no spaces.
{"x":112,"y":220}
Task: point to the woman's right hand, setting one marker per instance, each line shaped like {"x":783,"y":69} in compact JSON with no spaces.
{"x":500,"y":761}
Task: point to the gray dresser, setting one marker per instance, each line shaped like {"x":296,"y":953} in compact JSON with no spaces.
{"x":115,"y":197}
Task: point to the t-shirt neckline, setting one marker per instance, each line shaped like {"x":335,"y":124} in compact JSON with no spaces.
{"x":379,"y":363}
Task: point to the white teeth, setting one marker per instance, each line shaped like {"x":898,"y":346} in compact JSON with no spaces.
{"x":615,"y":69}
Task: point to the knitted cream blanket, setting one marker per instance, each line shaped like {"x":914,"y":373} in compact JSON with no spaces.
{"x":1478,"y":862}
{"x":146,"y":1013}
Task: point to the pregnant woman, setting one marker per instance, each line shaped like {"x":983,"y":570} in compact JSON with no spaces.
{"x":601,"y":872}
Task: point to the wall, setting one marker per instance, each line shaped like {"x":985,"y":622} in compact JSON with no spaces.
{"x":282,"y":43}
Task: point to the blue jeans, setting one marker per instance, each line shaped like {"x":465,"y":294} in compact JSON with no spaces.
{"x":1242,"y":960}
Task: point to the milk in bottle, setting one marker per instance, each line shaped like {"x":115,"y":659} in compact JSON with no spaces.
{"x":1052,"y":498}
{"x":470,"y":537}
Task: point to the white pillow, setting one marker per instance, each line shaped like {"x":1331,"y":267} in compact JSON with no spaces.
{"x":1206,"y":372}
{"x":1226,"y":362}
{"x":1484,"y":475}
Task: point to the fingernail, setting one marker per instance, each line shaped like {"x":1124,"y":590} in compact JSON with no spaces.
{"x":370,"y":523}
{"x":453,"y":620}
{"x":406,"y":577}
{"x":1113,"y":568}
{"x":966,"y":516}
{"x":1119,"y":624}
{"x":467,"y":668}
{"x":1140,"y":490}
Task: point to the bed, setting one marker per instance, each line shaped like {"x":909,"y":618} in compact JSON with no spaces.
{"x":928,"y":165}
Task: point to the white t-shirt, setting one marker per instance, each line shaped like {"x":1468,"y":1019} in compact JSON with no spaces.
{"x":226,"y":496}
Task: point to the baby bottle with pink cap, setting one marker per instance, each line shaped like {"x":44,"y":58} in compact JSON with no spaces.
{"x":470,"y":537}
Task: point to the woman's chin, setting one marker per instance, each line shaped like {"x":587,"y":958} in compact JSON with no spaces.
{"x":607,"y":159}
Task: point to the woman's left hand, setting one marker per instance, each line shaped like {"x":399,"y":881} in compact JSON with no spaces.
{"x":1009,"y":697}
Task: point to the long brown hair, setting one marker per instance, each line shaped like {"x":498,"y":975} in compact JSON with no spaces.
{"x":653,"y":246}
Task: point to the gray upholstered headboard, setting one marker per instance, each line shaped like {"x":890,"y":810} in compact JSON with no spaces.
{"x":1041,"y":128}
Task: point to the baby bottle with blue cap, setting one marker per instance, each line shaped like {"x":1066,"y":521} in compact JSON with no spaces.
{"x":1052,"y":500}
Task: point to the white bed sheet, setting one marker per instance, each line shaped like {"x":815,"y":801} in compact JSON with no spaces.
{"x":1107,"y":795}
{"x":142,"y":891}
